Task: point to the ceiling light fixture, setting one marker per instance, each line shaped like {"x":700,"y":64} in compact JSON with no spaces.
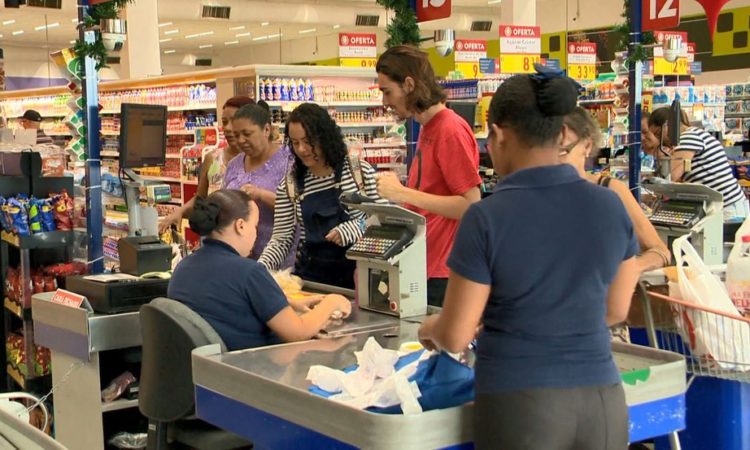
{"x":165,"y":24}
{"x":265,"y":24}
{"x":9,"y":22}
{"x":242,"y":35}
{"x":241,"y":27}
{"x":260,"y":38}
{"x":205,"y":46}
{"x":274,"y":36}
{"x":73,"y":42}
{"x":308,"y":31}
{"x":42,"y":27}
{"x":494,"y":2}
{"x":336,"y":27}
{"x":231,"y":42}
{"x":74,"y":20}
{"x":161,"y":41}
{"x":16,"y":33}
{"x":169,"y":52}
{"x":168,"y":32}
{"x":193,"y":36}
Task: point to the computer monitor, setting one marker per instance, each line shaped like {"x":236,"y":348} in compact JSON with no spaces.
{"x":143,"y":135}
{"x":467,"y":110}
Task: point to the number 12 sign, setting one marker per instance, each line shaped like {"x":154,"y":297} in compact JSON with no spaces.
{"x":660,"y":14}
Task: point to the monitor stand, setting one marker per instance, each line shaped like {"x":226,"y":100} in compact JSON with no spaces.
{"x":142,"y":220}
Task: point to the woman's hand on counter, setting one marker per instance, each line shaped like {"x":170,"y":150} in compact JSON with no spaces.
{"x":305,"y":304}
{"x":335,"y":237}
{"x":340,"y":305}
{"x":425,"y":332}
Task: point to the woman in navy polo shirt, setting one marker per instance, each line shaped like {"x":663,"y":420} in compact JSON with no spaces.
{"x":235,"y":294}
{"x":544,"y":264}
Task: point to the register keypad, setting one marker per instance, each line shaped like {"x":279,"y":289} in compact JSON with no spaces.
{"x":373,"y":246}
{"x":668,"y":217}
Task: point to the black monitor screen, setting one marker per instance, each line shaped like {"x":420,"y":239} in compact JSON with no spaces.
{"x":143,"y":135}
{"x":467,"y":110}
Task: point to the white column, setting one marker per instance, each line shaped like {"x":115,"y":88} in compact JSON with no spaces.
{"x":141,"y":55}
{"x":518,"y":12}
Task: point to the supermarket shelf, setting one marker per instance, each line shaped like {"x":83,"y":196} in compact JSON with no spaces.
{"x":688,"y":105}
{"x":110,"y":133}
{"x":44,"y":115}
{"x":366,"y":124}
{"x":109,"y":154}
{"x":22,"y":381}
{"x":13,"y":307}
{"x":737,"y":114}
{"x":181,"y":133}
{"x":389,"y":165}
{"x":170,"y":108}
{"x":743,"y":97}
{"x":120,"y":404}
{"x":52,"y":239}
{"x":384,"y":145}
{"x":601,"y":101}
{"x":58,"y":134}
{"x":173,"y":156}
{"x":326,"y":104}
{"x":166,"y":179}
{"x":190,"y":182}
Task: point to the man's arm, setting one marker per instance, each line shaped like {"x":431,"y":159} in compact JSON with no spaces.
{"x":450,"y":206}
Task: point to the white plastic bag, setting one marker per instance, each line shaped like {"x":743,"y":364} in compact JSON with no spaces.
{"x":738,"y":271}
{"x":712,"y":337}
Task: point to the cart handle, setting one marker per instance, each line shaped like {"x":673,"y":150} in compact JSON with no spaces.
{"x":701,"y":308}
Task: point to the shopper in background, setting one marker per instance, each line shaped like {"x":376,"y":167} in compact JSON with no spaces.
{"x":707,"y":160}
{"x":545,"y":264}
{"x":444,"y":175}
{"x":649,"y":142}
{"x":214,"y":164}
{"x":32,"y":120}
{"x":259,"y":169}
{"x":244,"y":305}
{"x":582,"y":135}
{"x":309,"y":196}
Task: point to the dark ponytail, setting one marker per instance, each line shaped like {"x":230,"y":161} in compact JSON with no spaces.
{"x":534,"y":106}
{"x":219,"y":210}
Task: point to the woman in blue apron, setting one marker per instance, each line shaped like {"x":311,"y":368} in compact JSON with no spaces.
{"x":309,"y":196}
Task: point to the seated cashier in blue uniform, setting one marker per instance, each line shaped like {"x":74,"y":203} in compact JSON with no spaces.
{"x":544,"y":264}
{"x":236,"y":295}
{"x":310,"y":197}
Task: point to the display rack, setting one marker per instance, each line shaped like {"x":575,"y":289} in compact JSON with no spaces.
{"x":55,"y":247}
{"x":737,"y":111}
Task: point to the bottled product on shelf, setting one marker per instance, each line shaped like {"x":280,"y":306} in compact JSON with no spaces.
{"x":180,"y":96}
{"x":47,"y":106}
{"x":704,"y":104}
{"x":306,"y":90}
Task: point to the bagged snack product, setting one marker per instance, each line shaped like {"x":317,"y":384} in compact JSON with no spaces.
{"x":63,"y":211}
{"x":4,"y":222}
{"x":35,"y":216}
{"x":288,"y":283}
{"x":18,"y":216}
{"x":48,"y":215}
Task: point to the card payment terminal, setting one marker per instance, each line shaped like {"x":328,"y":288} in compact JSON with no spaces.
{"x":391,"y":259}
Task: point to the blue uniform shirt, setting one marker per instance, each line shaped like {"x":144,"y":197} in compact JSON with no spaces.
{"x":236,"y":295}
{"x":549,"y":244}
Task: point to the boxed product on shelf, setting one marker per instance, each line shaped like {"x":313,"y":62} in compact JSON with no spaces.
{"x":738,"y":90}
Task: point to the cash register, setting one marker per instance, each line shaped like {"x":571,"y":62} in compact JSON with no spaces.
{"x":689,"y":208}
{"x":391,"y":259}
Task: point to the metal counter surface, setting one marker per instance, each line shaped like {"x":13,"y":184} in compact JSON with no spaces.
{"x":252,"y":389}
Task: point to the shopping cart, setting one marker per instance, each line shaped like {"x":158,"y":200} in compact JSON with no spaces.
{"x":671,"y":323}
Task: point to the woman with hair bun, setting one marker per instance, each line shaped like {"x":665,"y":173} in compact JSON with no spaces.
{"x":235,"y":294}
{"x":544,"y":265}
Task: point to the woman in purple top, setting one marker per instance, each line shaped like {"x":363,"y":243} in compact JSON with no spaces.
{"x":259,"y":168}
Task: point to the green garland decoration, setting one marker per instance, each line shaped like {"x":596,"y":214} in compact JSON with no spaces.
{"x":97,"y":13}
{"x":403,"y":29}
{"x":638,"y":52}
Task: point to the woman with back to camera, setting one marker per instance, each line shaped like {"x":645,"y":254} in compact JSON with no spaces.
{"x":259,"y":168}
{"x":545,"y":263}
{"x":582,"y":135}
{"x":235,"y":294}
{"x":309,"y":196}
{"x":707,"y":158}
{"x":214,"y":164}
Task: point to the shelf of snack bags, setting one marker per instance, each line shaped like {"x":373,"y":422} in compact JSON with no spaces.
{"x":704,"y":104}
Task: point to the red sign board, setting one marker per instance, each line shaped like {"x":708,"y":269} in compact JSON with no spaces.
{"x":582,"y":48}
{"x":433,"y":9}
{"x":660,"y":36}
{"x":96,"y":2}
{"x":67,"y":298}
{"x":470,"y":50}
{"x":691,"y":47}
{"x":660,"y":14}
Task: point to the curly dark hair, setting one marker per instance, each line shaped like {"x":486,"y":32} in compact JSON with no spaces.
{"x":323,"y":133}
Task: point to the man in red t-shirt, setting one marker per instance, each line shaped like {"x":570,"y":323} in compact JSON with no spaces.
{"x":443,"y":178}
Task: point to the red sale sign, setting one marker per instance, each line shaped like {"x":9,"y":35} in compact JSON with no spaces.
{"x":470,"y":50}
{"x":660,"y":14}
{"x":433,"y":10}
{"x":67,"y":298}
{"x":358,"y":45}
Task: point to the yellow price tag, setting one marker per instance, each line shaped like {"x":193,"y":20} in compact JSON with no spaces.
{"x":469,"y":70}
{"x":518,"y":63}
{"x":582,"y":71}
{"x":367,"y":63}
{"x":664,"y":67}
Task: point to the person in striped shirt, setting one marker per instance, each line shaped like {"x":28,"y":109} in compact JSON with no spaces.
{"x":309,"y":197}
{"x":700,"y":158}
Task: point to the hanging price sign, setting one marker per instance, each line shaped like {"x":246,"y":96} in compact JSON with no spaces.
{"x":367,"y":63}
{"x":468,"y":53}
{"x":520,"y":48}
{"x":358,"y":50}
{"x":681,"y":66}
{"x":582,"y":60}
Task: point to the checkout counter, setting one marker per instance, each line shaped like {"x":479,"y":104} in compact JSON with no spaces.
{"x":262,"y":394}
